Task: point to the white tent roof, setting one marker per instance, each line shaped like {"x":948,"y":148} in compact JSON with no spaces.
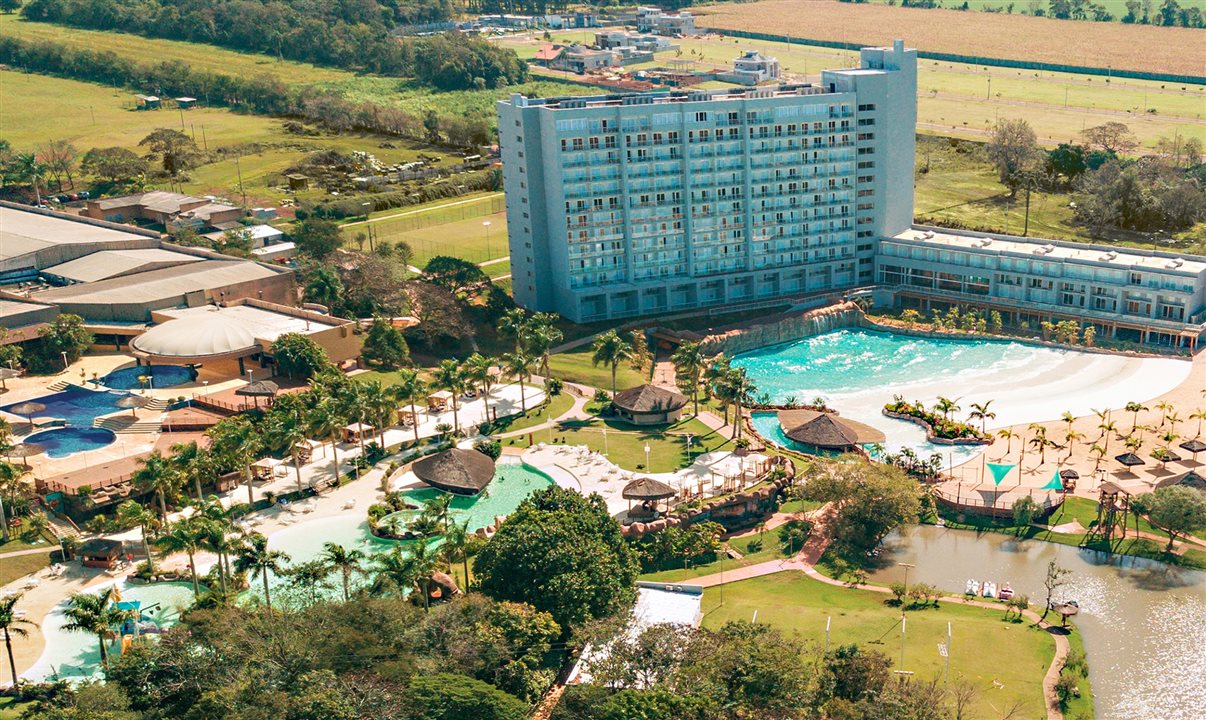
{"x":196,"y":337}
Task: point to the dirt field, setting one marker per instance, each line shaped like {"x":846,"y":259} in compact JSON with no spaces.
{"x":1132,"y":47}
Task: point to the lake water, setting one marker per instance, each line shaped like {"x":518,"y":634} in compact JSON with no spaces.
{"x":1143,"y":622}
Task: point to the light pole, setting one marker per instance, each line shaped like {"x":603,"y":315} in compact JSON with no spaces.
{"x":486,"y":224}
{"x":606,"y":453}
{"x":65,"y":363}
{"x":903,"y":619}
{"x":689,"y":448}
{"x":647,"y":468}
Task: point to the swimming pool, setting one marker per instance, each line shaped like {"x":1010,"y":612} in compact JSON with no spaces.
{"x":62,"y":442}
{"x":162,"y":376}
{"x":857,"y":371}
{"x":76,"y":405}
{"x":76,"y":655}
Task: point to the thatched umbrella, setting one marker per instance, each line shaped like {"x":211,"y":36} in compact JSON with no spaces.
{"x":1069,"y":474}
{"x":1194,"y":446}
{"x":25,"y":450}
{"x":258,"y":389}
{"x":131,"y":401}
{"x":7,"y":374}
{"x":1130,"y":459}
{"x":28,"y":409}
{"x":458,"y":471}
{"x":827,"y":431}
{"x":646,"y":489}
{"x":1189,"y":479}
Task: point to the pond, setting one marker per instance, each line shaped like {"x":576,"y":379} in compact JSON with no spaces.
{"x":1143,"y":622}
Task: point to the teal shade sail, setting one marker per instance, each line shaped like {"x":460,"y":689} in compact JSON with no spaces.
{"x":999,"y":471}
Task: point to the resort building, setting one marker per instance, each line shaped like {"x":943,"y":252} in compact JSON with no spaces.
{"x":627,"y":205}
{"x":1133,"y":295}
{"x":656,"y":21}
{"x":752,"y":68}
{"x":32,"y":240}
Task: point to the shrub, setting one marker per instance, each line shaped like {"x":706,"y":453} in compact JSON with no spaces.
{"x":490,"y":448}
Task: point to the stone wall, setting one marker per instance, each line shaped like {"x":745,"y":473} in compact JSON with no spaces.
{"x":784,"y":329}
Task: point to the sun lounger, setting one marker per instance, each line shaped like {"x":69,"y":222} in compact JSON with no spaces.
{"x":31,"y":583}
{"x":349,"y":504}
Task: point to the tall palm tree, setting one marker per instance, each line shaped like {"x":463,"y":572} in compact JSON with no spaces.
{"x":216,"y":537}
{"x":611,"y":350}
{"x":457,"y":538}
{"x":1068,"y":418}
{"x":352,"y":403}
{"x":449,"y":376}
{"x":980,"y":411}
{"x":1099,"y":454}
{"x":1107,"y":428}
{"x":131,"y":513}
{"x":1039,"y":441}
{"x":155,"y":474}
{"x":477,"y":371}
{"x":193,"y":465}
{"x":236,"y":442}
{"x":255,"y":557}
{"x":714,"y":372}
{"x":540,"y":334}
{"x":689,"y":363}
{"x":94,"y":613}
{"x":185,"y":536}
{"x":946,"y":406}
{"x":289,"y":432}
{"x":1173,"y":419}
{"x":337,"y":557}
{"x":12,"y":626}
{"x":406,"y":389}
{"x":1169,"y":437}
{"x":1009,"y":435}
{"x":519,"y":366}
{"x":1070,"y":437}
{"x":1199,"y":415}
{"x":325,"y":421}
{"x":439,"y":508}
{"x":513,"y":324}
{"x":1135,"y":408}
{"x":379,"y":408}
{"x":741,"y":390}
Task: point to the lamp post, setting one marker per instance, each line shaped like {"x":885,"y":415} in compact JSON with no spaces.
{"x":689,"y":438}
{"x":486,"y":224}
{"x":647,"y":468}
{"x":606,"y":453}
{"x":65,"y":363}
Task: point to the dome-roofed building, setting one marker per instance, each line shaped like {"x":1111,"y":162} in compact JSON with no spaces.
{"x":195,"y":339}
{"x":649,"y":405}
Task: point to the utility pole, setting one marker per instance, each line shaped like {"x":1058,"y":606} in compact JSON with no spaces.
{"x":239,"y":169}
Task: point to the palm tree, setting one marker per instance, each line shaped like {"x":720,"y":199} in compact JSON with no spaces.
{"x":130,"y":514}
{"x":1135,"y":408}
{"x":185,"y":536}
{"x":1068,"y":418}
{"x":1070,"y":437}
{"x":717,"y":369}
{"x":1133,"y":443}
{"x":449,"y":376}
{"x":946,"y":406}
{"x":406,"y":389}
{"x":155,"y":474}
{"x":1169,"y":437}
{"x":94,"y":613}
{"x":352,"y":406}
{"x":379,"y":407}
{"x":610,"y":349}
{"x":422,"y":564}
{"x":1009,"y":435}
{"x":1164,"y":407}
{"x":689,"y":363}
{"x":1039,"y":442}
{"x":1199,"y":415}
{"x":1173,"y":419}
{"x":1099,"y":452}
{"x":193,"y":465}
{"x":337,"y":557}
{"x":287,"y":431}
{"x":12,"y":625}
{"x":235,"y":442}
{"x":216,"y":537}
{"x":477,"y":369}
{"x":740,"y":389}
{"x":456,"y":545}
{"x":519,"y":366}
{"x":254,"y":557}
{"x":1107,"y":427}
{"x":326,"y":422}
{"x":513,"y":324}
{"x":980,"y":411}
{"x":540,"y":334}
{"x":438,"y":508}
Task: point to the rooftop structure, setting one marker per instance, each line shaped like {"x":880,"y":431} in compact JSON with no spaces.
{"x":649,"y":404}
{"x":32,"y":239}
{"x":654,"y":20}
{"x":115,"y":263}
{"x":165,"y":208}
{"x":457,"y":471}
{"x":261,"y":235}
{"x":22,"y":320}
{"x":628,"y":205}
{"x":752,"y":68}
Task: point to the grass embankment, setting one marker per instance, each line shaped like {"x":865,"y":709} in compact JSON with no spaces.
{"x":625,"y":444}
{"x":11,"y":709}
{"x":1004,"y":661}
{"x":575,"y":366}
{"x":1084,"y":511}
{"x":555,"y":407}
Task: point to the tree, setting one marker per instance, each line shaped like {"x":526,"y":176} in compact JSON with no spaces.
{"x":519,"y":366}
{"x":447,"y":696}
{"x":12,"y":626}
{"x":406,"y":389}
{"x":540,"y":334}
{"x":326,"y":421}
{"x":980,"y":411}
{"x":1024,"y":512}
{"x":113,"y":164}
{"x":316,"y":238}
{"x":255,"y":557}
{"x":324,"y":287}
{"x":689,"y":363}
{"x":1014,"y":150}
{"x":186,"y":536}
{"x":156,"y":475}
{"x":854,"y":675}
{"x":455,"y":275}
{"x":337,"y":557}
{"x":610,"y":349}
{"x":1053,"y":581}
{"x":739,"y":389}
{"x":172,"y":149}
{"x":478,"y":372}
{"x":298,"y":356}
{"x":235,"y":441}
{"x":870,"y":499}
{"x":60,"y":158}
{"x":94,"y":613}
{"x":449,"y":376}
{"x":65,"y":334}
{"x":561,"y":553}
{"x":131,"y":513}
{"x":457,"y":543}
{"x":1112,"y":137}
{"x":1176,"y":509}
{"x":8,"y":7}
{"x":384,"y":345}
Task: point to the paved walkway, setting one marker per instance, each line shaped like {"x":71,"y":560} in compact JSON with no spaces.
{"x":29,"y":551}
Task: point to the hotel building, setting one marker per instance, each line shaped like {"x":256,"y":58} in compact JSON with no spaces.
{"x":627,"y":205}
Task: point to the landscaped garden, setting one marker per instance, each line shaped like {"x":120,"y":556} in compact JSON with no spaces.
{"x":625,"y":444}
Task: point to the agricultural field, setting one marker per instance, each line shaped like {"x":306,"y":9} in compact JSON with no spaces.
{"x":964,"y":100}
{"x":1132,"y":47}
{"x":1117,"y":8}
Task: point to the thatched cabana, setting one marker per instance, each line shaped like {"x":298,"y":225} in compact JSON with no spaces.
{"x":648,"y":492}
{"x":1190,"y":479}
{"x":457,"y":471}
{"x":649,"y":405}
{"x":827,"y":431}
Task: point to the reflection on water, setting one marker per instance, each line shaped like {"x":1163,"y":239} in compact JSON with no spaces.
{"x":1143,"y":622}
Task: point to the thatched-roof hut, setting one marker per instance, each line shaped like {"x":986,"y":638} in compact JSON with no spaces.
{"x":648,"y":491}
{"x":458,"y":471}
{"x":649,"y":405}
{"x":827,"y":431}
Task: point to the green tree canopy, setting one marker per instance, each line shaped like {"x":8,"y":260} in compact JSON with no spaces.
{"x":562,"y":553}
{"x":1178,"y":510}
{"x":298,"y":356}
{"x":65,"y":335}
{"x":384,"y":345}
{"x":445,"y":696}
{"x":871,"y":499}
{"x":114,"y":164}
{"x":316,"y":238}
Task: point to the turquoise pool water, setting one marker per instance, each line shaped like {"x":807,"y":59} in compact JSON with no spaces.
{"x":76,"y":655}
{"x":62,"y":442}
{"x":162,"y":376}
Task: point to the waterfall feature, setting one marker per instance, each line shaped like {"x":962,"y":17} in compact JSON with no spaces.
{"x":785,"y":329}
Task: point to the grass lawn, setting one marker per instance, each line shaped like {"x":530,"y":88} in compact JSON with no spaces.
{"x":984,"y":648}
{"x":468,"y":239}
{"x":11,"y":709}
{"x":770,"y":551}
{"x":555,"y":407}
{"x":575,"y":366}
{"x":625,"y":444}
{"x":1083,"y":705}
{"x":12,"y":568}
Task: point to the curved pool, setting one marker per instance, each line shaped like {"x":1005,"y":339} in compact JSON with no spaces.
{"x":76,"y":655}
{"x":62,"y":442}
{"x":858,"y":371}
{"x":162,"y":376}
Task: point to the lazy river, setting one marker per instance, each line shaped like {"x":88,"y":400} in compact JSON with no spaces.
{"x":858,"y":371}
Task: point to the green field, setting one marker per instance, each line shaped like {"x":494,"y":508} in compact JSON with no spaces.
{"x":575,"y":366}
{"x":965,"y":100}
{"x":625,"y":444}
{"x":1004,"y":661}
{"x":1117,"y":8}
{"x":448,"y":227}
